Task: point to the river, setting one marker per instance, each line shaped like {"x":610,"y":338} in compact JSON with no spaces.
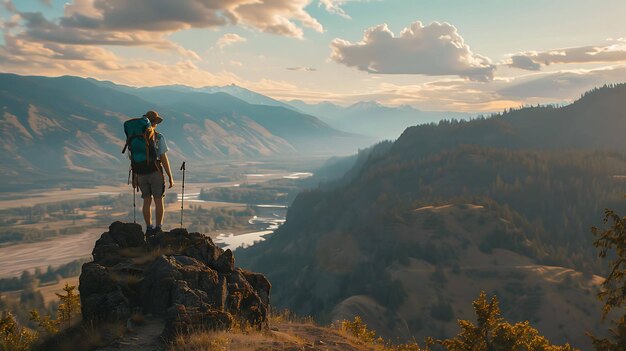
{"x":269,"y":217}
{"x":14,"y":259}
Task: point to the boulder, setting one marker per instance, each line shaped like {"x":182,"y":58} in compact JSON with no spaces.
{"x":127,"y":234}
{"x":260,"y":284}
{"x":226,"y":262}
{"x":180,"y":276}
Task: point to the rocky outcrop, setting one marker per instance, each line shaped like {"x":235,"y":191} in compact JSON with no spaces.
{"x":179,"y":276}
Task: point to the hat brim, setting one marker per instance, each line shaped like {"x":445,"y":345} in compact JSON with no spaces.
{"x":158,"y":120}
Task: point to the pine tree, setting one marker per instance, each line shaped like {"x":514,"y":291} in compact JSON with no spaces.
{"x":69,"y":305}
{"x":46,"y":323}
{"x":493,"y":333}
{"x":14,"y":337}
{"x":613,"y":292}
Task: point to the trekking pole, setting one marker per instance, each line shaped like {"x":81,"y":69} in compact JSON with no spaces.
{"x":133,"y":185}
{"x":182,"y":198}
{"x":134,"y":205}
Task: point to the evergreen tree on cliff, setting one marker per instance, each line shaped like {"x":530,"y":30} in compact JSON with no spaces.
{"x":613,"y":241}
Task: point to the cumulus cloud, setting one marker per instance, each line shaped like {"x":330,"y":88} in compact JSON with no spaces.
{"x":435,"y":49}
{"x":273,"y":16}
{"x":533,"y":60}
{"x":27,"y":57}
{"x":74,"y":42}
{"x":148,"y":23}
{"x":37,"y":28}
{"x":230,"y":39}
{"x":276,"y":16}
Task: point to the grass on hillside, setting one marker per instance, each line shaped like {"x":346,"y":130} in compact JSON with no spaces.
{"x":290,"y":332}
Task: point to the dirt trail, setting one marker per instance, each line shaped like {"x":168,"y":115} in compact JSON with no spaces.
{"x":146,"y":337}
{"x":313,"y":337}
{"x":288,"y":336}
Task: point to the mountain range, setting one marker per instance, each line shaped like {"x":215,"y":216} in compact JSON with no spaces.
{"x":418,"y":227}
{"x":368,"y":118}
{"x":244,"y":94}
{"x":372,"y":118}
{"x":70,"y":126}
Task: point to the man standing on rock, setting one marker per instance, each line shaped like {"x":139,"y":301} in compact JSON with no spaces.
{"x":152,"y":181}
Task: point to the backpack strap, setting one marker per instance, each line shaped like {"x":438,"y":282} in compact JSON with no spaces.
{"x":128,"y":140}
{"x":157,"y":161}
{"x":148,"y":134}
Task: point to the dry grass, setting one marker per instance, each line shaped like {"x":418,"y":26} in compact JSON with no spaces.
{"x":81,"y":337}
{"x":244,"y":337}
{"x":286,"y":316}
{"x":235,"y":341}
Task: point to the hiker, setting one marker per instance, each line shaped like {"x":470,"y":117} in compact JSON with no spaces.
{"x":149,"y":177}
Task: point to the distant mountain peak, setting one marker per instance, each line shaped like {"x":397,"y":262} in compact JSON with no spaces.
{"x":366,"y":105}
{"x":406,"y":107}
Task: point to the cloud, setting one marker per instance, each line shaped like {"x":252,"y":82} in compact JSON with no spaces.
{"x":524,"y":62}
{"x":334,"y":7}
{"x":277,"y":16}
{"x":457,"y":94}
{"x":303,"y":69}
{"x":53,"y":59}
{"x":532,"y":60}
{"x":436,"y":49}
{"x":235,"y":63}
{"x":272,"y":16}
{"x":39,"y":29}
{"x":230,"y":39}
{"x":563,"y":85}
{"x":148,"y":23}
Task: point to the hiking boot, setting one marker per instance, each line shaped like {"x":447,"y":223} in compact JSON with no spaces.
{"x":157,"y":230}
{"x":150,"y":231}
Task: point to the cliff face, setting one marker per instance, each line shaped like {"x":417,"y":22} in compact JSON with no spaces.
{"x":179,"y":276}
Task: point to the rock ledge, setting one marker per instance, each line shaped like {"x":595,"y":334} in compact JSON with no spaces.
{"x":179,"y":276}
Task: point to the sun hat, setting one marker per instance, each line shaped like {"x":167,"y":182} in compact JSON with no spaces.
{"x":154,"y":117}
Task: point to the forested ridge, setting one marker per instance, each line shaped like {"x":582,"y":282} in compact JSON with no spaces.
{"x":547,"y":172}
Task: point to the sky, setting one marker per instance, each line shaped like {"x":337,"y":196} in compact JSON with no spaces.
{"x":445,"y":55}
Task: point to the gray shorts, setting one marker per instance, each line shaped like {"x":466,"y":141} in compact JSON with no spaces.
{"x":151,"y":184}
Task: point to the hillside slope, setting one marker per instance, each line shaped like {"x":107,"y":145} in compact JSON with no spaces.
{"x":518,"y":207}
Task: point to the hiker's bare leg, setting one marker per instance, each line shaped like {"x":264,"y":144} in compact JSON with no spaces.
{"x":147,"y":202}
{"x":158,"y":203}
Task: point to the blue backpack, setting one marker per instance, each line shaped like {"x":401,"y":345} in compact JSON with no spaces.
{"x":141,"y":145}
